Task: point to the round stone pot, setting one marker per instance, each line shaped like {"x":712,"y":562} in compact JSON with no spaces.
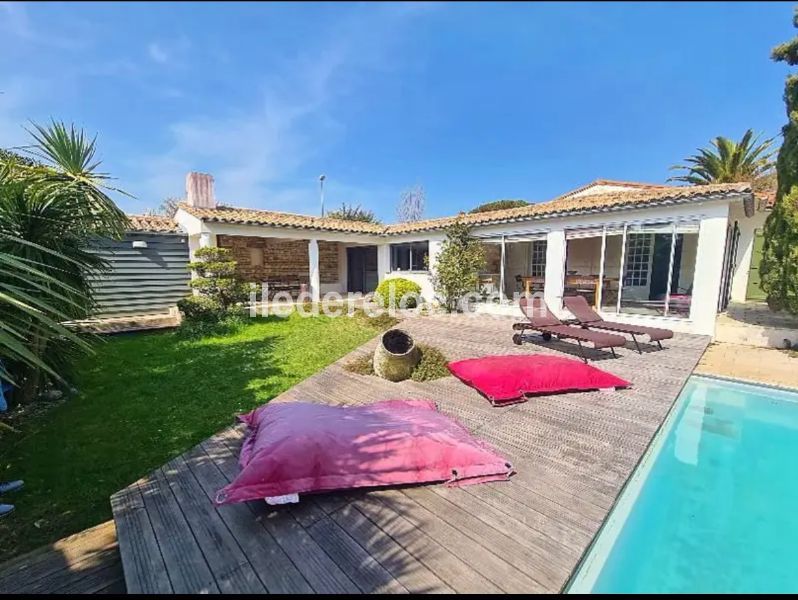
{"x":396,"y":355}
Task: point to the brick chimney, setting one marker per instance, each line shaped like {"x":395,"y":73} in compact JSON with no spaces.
{"x":199,"y":190}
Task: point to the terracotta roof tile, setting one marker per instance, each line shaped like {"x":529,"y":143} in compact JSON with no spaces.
{"x":154,"y":223}
{"x":632,"y":185}
{"x":637,"y":195}
{"x":251,"y":216}
{"x":568,"y":205}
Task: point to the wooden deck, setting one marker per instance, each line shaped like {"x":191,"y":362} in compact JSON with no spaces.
{"x":85,"y":563}
{"x":572,"y":453}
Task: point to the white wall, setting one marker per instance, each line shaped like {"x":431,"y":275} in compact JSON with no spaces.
{"x":745,"y":246}
{"x":555,"y":270}
{"x":422,"y":278}
{"x":708,"y":272}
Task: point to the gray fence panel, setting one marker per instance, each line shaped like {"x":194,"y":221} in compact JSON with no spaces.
{"x":142,"y":280}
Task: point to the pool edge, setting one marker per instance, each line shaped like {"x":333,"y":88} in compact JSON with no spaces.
{"x":649,"y":455}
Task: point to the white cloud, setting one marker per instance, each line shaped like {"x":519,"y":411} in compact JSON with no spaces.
{"x":172,"y":53}
{"x":255,"y":152}
{"x":15,"y":22}
{"x":157,"y":53}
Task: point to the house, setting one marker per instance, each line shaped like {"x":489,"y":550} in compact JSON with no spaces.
{"x":653,"y":254}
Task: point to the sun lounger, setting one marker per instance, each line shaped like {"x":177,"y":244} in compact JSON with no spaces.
{"x":541,"y":319}
{"x":587,"y":317}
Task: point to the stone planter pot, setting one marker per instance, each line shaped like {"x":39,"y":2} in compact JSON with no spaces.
{"x":396,"y":355}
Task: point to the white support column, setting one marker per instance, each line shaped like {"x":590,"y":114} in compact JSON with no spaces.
{"x":708,"y":274}
{"x":313,"y":260}
{"x":207,"y":239}
{"x":501,"y":272}
{"x":554,"y":284}
{"x":383,"y":261}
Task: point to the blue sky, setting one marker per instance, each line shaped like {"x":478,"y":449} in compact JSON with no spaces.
{"x":473,"y":101}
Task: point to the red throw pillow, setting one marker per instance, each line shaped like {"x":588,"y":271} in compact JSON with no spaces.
{"x":505,"y":379}
{"x":297,"y":447}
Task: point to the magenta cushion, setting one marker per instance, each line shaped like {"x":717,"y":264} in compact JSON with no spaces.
{"x":504,"y":379}
{"x":298,"y":447}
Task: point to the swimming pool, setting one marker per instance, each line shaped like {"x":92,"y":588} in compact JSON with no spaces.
{"x":713,"y":505}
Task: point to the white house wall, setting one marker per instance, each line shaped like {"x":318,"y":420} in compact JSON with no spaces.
{"x":713,"y":217}
{"x":745,"y":247}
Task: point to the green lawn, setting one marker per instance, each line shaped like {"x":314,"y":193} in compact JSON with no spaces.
{"x":143,"y":399}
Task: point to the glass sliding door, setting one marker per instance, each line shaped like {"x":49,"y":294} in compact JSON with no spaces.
{"x":685,"y":250}
{"x":655,"y":270}
{"x":646,"y":268}
{"x":583,"y":264}
{"x":611,"y":272}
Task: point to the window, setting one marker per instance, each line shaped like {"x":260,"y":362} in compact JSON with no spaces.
{"x":658,"y":269}
{"x":409,"y":257}
{"x":537,"y":265}
{"x":256,"y":257}
{"x":638,"y":253}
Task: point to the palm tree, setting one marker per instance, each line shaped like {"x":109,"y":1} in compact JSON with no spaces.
{"x":727,"y":161}
{"x":51,"y":208}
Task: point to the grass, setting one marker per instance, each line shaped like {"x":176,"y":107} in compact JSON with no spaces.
{"x":143,"y":399}
{"x":431,"y":366}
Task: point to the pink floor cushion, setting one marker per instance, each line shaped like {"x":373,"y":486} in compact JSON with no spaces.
{"x":507,"y":379}
{"x":297,"y":447}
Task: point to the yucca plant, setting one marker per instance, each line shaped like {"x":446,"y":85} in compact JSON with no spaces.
{"x":52,"y":206}
{"x":727,"y":161}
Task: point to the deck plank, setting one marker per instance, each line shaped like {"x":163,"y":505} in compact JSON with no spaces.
{"x":316,"y":566}
{"x":87,"y":562}
{"x":271,"y":563}
{"x":145,"y":568}
{"x":368,"y":574}
{"x":572,"y":454}
{"x":230,"y":567}
{"x":185,"y":564}
{"x":409,"y":571}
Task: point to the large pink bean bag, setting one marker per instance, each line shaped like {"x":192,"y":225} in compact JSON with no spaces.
{"x":507,"y":379}
{"x":297,"y":447}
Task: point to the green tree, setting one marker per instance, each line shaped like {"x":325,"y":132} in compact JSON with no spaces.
{"x":459,"y":262}
{"x":349,"y":212}
{"x":51,"y":208}
{"x":499,"y":205}
{"x":779,"y":266}
{"x":727,"y":161}
{"x":215,"y":277}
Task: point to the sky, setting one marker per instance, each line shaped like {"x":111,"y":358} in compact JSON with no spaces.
{"x":474,"y":102}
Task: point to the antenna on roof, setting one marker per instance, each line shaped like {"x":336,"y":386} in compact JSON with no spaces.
{"x":321,"y":192}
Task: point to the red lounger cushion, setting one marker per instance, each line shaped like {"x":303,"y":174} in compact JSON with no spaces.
{"x":297,"y":447}
{"x":504,"y":379}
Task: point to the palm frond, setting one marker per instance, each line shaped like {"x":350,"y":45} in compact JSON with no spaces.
{"x":727,"y":161}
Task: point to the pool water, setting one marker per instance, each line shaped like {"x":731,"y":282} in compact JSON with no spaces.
{"x":713,"y":506}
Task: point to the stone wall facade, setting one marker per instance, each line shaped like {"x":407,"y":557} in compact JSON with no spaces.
{"x":283,"y":260}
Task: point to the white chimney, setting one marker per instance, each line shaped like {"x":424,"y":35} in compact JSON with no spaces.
{"x":199,"y":190}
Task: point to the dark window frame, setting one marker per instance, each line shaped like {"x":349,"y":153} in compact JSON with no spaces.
{"x":409,"y":257}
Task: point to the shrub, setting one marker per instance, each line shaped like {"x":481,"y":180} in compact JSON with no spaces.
{"x":391,"y":292}
{"x":362,"y":365}
{"x":216,"y":276}
{"x":200,"y":309}
{"x":382,"y":321}
{"x":431,"y":366}
{"x":456,"y":273}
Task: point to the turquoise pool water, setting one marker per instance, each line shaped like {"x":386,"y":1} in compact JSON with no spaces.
{"x":713,"y":506}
